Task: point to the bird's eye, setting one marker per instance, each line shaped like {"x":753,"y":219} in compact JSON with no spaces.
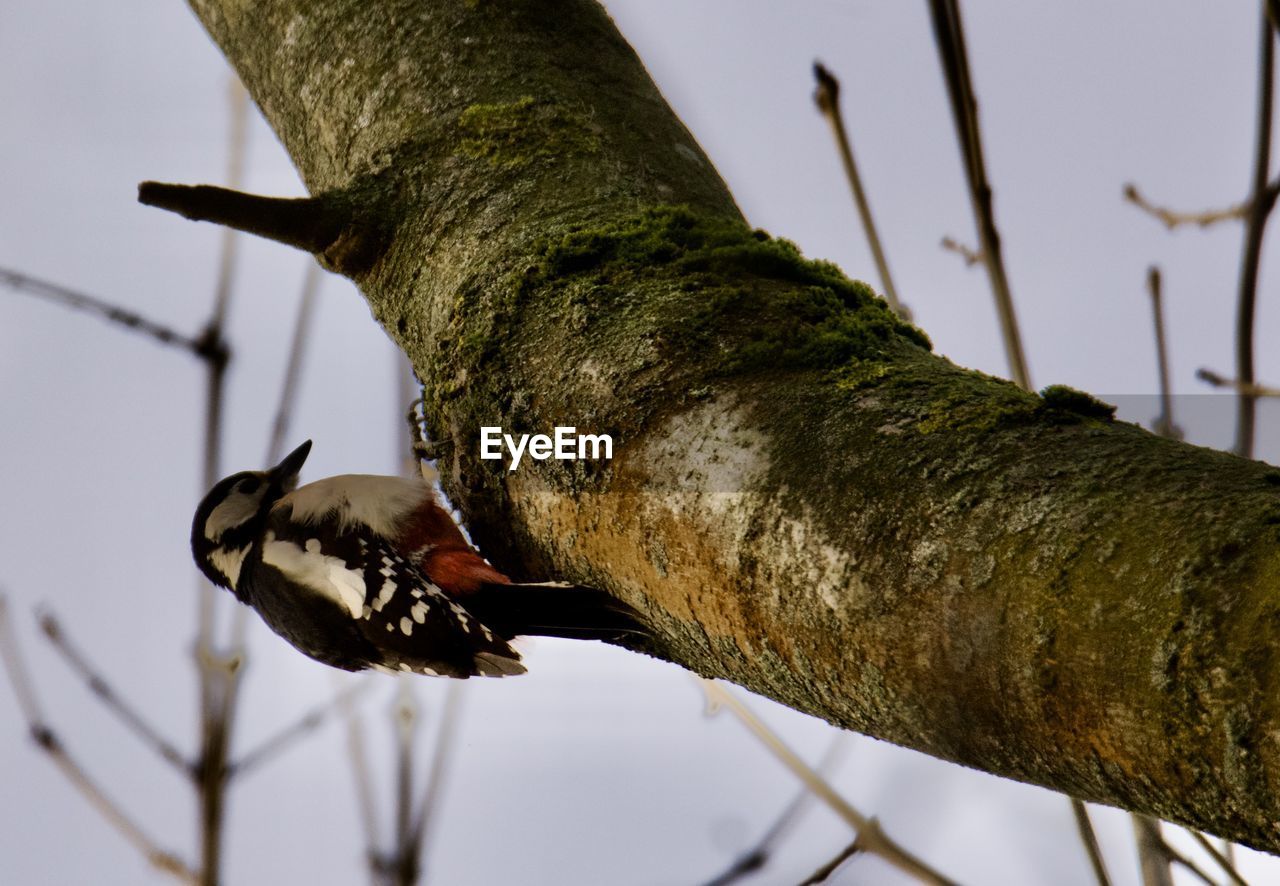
{"x":248,"y":486}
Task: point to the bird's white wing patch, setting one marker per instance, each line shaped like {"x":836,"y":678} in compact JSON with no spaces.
{"x":310,"y":567}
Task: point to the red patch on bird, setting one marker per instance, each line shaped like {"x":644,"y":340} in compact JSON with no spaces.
{"x":434,"y":541}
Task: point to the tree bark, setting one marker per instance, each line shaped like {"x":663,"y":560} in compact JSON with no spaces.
{"x":803,"y":498}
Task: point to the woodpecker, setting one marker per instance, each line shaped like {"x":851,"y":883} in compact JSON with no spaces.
{"x":362,"y":571}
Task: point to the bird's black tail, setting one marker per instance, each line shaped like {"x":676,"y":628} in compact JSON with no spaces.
{"x":554,"y":610}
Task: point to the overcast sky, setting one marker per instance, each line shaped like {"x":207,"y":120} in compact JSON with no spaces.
{"x":599,"y":766}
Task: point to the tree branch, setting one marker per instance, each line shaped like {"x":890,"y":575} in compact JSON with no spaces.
{"x":870,"y":837}
{"x":827,"y":97}
{"x":49,"y":742}
{"x":148,"y":734}
{"x":1261,"y":203}
{"x":1173,"y":219}
{"x":112,"y":313}
{"x":949,"y":34}
{"x":803,"y":499}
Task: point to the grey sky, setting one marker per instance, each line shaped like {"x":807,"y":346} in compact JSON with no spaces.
{"x":598,"y":766}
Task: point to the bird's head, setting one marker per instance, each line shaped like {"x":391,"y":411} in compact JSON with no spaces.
{"x":232,"y":516}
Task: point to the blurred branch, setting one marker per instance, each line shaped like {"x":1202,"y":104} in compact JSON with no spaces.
{"x":1153,"y":859}
{"x":360,"y":767}
{"x":440,"y":762}
{"x":949,"y":34}
{"x":1261,"y":203}
{"x":1164,"y":424}
{"x":821,"y":874}
{"x":284,"y":407}
{"x":297,"y":730}
{"x":293,"y":367}
{"x":827,"y":97}
{"x":47,"y":740}
{"x":98,"y":685}
{"x":1090,"y":841}
{"x":758,"y":856}
{"x":218,"y":671}
{"x":1221,"y":860}
{"x":1219,"y":381}
{"x":870,"y":838}
{"x":1173,"y":219}
{"x":971,"y":256}
{"x":21,"y":282}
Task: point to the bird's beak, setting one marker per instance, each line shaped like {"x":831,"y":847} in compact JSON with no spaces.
{"x":285,"y":474}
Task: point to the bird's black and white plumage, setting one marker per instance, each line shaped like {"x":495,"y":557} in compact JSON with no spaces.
{"x":343,"y":569}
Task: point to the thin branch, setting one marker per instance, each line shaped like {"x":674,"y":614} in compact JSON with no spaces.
{"x":405,"y":714}
{"x":293,"y":367}
{"x":971,"y":256}
{"x":1221,"y":860}
{"x":1164,"y":424}
{"x":823,"y":873}
{"x":949,"y":33}
{"x":53,"y":292}
{"x":1090,"y":841}
{"x":290,"y":735}
{"x":1172,"y":218}
{"x":360,"y":767}
{"x":1153,"y":857}
{"x":48,"y":741}
{"x":1262,"y":201}
{"x":1221,"y":381}
{"x":758,"y":855}
{"x":440,"y":761}
{"x":218,"y":673}
{"x":98,"y":685}
{"x":827,"y":97}
{"x":284,"y":408}
{"x":870,"y":837}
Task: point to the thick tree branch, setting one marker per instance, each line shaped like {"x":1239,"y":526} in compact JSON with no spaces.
{"x":803,"y":499}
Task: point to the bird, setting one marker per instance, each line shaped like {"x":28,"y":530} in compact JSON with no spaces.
{"x":368,"y":571}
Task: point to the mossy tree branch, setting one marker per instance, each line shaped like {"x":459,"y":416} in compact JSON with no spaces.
{"x":804,"y":498}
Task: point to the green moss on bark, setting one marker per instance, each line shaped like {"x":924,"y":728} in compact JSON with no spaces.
{"x":514,"y":134}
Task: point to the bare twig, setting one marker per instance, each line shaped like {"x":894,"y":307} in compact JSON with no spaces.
{"x":1172,"y":218}
{"x":949,"y":33}
{"x":360,"y":768}
{"x":827,"y":98}
{"x":1221,"y":381}
{"x":871,"y":838}
{"x":218,"y":673}
{"x":1153,"y":856}
{"x":284,"y":408}
{"x":405,"y":712}
{"x":1221,"y":860}
{"x":821,"y":874}
{"x":1090,"y":841}
{"x":113,"y":313}
{"x":293,"y":368}
{"x":47,"y":740}
{"x":98,"y":685}
{"x":440,"y":762}
{"x":758,"y":855}
{"x":1261,"y":203}
{"x":1164,"y":424}
{"x":298,"y":729}
{"x":971,"y":256}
